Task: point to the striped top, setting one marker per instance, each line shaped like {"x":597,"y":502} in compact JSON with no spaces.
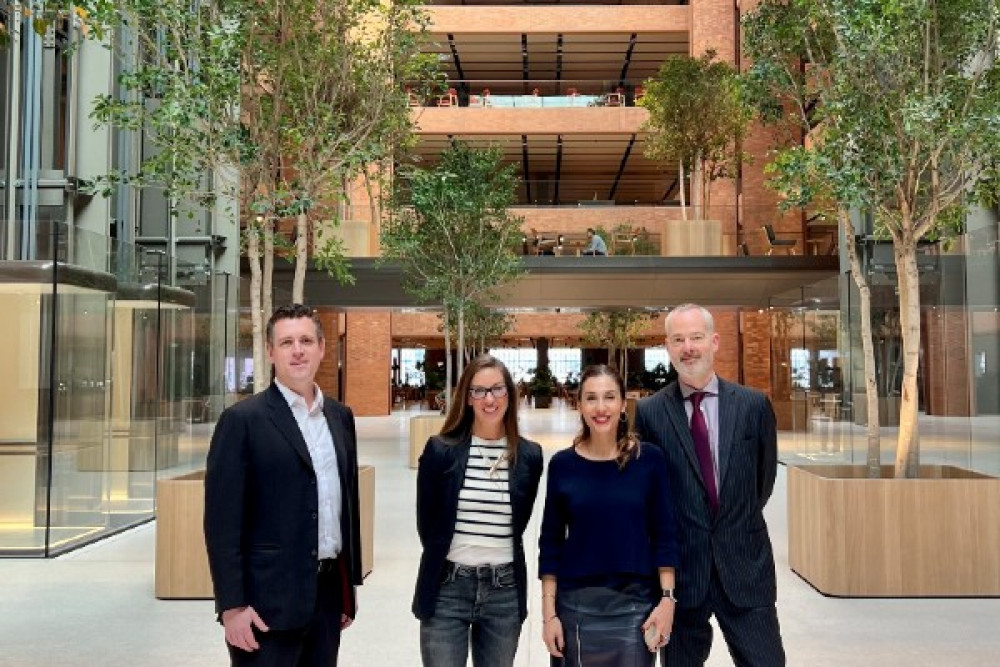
{"x":483,"y":533}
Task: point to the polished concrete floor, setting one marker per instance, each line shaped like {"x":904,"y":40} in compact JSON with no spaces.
{"x":95,"y":606}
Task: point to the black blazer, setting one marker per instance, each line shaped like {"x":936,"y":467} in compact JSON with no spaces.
{"x":439,"y":479}
{"x":736,"y":541}
{"x":261,"y":506}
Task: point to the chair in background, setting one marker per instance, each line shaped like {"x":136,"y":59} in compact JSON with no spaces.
{"x":412,"y":98}
{"x":449,"y":99}
{"x":788,"y":245}
{"x":744,"y":249}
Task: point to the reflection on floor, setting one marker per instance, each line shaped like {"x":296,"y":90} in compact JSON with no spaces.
{"x":95,"y":606}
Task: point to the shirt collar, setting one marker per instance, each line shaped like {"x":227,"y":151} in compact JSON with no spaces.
{"x":294,"y":399}
{"x":712,"y":388}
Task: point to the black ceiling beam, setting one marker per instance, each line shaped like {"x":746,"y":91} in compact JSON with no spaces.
{"x":559,"y":60}
{"x":621,"y":167}
{"x":628,"y":59}
{"x":670,"y":188}
{"x":454,"y":57}
{"x":525,"y":74}
{"x":526,"y":173}
{"x":559,"y":153}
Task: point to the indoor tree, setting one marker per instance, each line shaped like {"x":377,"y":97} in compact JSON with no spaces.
{"x":618,"y":331}
{"x":903,"y":101}
{"x":698,"y":117}
{"x":453,"y":234}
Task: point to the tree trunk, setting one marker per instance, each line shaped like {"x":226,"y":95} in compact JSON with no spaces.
{"x":696,"y":190}
{"x":461,"y":342}
{"x":301,"y":257}
{"x":908,"y":444}
{"x":267,"y":288}
{"x":684,"y":211}
{"x":447,"y":360}
{"x":256,"y":316}
{"x":874,"y":459}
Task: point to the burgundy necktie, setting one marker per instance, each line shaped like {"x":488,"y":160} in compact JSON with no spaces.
{"x":703,"y":448}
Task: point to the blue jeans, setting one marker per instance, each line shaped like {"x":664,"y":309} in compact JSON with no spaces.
{"x":477,"y":607}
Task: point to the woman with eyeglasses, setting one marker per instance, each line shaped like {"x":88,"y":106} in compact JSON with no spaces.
{"x":476,"y":486}
{"x":608,"y":541}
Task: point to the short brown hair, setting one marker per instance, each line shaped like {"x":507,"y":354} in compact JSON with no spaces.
{"x":292,"y":311}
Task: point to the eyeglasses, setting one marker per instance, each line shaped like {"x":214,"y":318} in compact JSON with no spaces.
{"x":497,"y":391}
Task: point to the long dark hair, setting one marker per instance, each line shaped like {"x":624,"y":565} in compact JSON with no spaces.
{"x":626,"y":440}
{"x":461,"y":417}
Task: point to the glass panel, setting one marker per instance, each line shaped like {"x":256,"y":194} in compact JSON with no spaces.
{"x":78,"y":500}
{"x":22,"y":529}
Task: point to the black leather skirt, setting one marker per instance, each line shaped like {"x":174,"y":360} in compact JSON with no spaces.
{"x":602,"y":626}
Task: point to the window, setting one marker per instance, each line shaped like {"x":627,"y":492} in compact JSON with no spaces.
{"x":654,"y":356}
{"x":519,"y":361}
{"x":408,"y":358}
{"x":565,"y":360}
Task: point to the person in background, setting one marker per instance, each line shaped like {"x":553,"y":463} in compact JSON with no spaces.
{"x":476,"y":487}
{"x":282,"y":525}
{"x":720,"y":442}
{"x":608,"y":543}
{"x":595,"y":244}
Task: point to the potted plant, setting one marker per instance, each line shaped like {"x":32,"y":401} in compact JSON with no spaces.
{"x":698,"y":118}
{"x":874,"y":529}
{"x":543,"y":386}
{"x":433,"y":381}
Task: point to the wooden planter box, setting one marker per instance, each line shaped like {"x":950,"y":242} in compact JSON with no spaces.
{"x":692,"y":238}
{"x":181,"y":560}
{"x":934,"y":536}
{"x":422,"y":427}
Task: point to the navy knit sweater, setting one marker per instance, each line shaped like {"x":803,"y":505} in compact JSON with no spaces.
{"x":602,"y":524}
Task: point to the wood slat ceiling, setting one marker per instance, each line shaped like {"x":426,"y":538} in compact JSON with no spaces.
{"x":588,"y":169}
{"x":596,"y":57}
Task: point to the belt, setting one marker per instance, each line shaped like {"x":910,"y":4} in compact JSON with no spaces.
{"x":479,"y":571}
{"x":327,"y":565}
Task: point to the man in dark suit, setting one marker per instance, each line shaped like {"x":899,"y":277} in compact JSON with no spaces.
{"x":721,"y":445}
{"x":281,"y":509}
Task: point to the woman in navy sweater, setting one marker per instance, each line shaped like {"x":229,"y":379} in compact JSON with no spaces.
{"x":608,"y":544}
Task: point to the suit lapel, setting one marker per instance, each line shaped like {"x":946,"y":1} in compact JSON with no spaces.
{"x":339,"y":435}
{"x":727,"y":425}
{"x":679,"y":420}
{"x":285,"y":422}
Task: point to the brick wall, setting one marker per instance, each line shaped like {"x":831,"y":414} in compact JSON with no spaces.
{"x":759,"y":204}
{"x":367,"y":362}
{"x":326,"y":377}
{"x":526,"y":325}
{"x":756,"y":341}
{"x":727,"y":359}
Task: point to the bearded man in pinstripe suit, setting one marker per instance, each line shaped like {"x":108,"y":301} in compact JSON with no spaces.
{"x":720,"y":440}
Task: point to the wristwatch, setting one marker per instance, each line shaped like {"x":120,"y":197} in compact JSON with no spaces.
{"x":669,"y":594}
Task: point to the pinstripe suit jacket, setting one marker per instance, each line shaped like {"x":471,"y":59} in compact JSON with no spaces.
{"x":736,"y":540}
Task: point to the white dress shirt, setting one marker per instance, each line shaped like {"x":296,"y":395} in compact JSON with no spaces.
{"x":319,"y":440}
